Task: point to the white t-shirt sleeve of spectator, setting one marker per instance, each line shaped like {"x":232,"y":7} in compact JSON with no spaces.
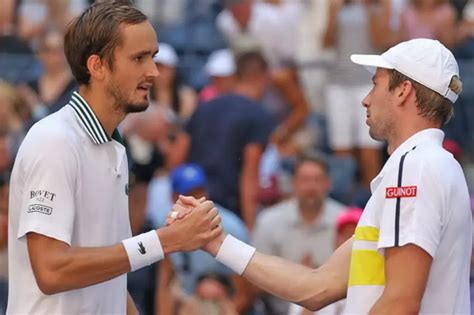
{"x":50,"y":169}
{"x":417,"y":216}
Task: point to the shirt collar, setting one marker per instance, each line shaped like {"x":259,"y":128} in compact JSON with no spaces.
{"x":88,"y":120}
{"x":432,"y":135}
{"x":295,"y":218}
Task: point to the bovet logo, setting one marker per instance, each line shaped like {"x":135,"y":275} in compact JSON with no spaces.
{"x":40,"y":208}
{"x":41,"y":195}
{"x":400,"y":192}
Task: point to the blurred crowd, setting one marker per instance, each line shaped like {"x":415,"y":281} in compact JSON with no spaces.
{"x":257,"y":107}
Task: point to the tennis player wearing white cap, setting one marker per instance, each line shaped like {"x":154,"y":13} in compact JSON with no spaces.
{"x":411,"y":250}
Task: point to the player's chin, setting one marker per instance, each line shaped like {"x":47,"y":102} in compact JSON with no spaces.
{"x":136,"y":107}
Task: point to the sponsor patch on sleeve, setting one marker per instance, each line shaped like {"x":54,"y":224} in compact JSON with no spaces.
{"x":40,"y":208}
{"x":42,"y":195}
{"x":400,"y":192}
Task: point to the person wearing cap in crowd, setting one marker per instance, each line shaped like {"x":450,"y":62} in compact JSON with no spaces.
{"x":69,"y":237}
{"x":167,"y":90}
{"x":189,"y":179}
{"x":166,"y":61}
{"x":411,"y":250}
{"x":220,"y":68}
{"x":346,"y":223}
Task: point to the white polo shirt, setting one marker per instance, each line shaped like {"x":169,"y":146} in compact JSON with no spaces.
{"x":420,"y":197}
{"x":70,"y":183}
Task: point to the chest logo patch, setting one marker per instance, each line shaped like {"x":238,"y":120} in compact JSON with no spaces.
{"x":400,"y":192}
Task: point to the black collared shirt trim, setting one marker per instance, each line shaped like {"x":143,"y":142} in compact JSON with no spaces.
{"x":88,"y":119}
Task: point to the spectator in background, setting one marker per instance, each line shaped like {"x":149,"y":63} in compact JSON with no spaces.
{"x":189,"y":179}
{"x":167,"y":91}
{"x":220,"y":67}
{"x":146,"y":138}
{"x":35,"y":17}
{"x":211,"y":297}
{"x":270,"y":27}
{"x":300,"y":229}
{"x":15,"y":117}
{"x":347,"y":32}
{"x":227,"y":137}
{"x":53,"y":89}
{"x":346,"y":223}
{"x":164,"y":88}
{"x":433,"y":19}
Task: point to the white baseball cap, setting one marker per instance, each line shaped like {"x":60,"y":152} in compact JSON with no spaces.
{"x":166,"y":55}
{"x":221,"y":63}
{"x":426,"y":61}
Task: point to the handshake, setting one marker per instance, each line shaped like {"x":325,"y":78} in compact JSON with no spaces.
{"x":192,"y":224}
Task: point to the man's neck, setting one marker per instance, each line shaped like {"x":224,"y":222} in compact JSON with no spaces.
{"x":246,"y":90}
{"x":310,"y":214}
{"x":103,"y":107}
{"x":402,"y":135}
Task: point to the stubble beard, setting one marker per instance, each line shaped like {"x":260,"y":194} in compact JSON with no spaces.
{"x":383,"y":130}
{"x":122,"y":103}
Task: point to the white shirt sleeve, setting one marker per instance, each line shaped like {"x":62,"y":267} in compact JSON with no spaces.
{"x":417,"y":215}
{"x":49,"y":166}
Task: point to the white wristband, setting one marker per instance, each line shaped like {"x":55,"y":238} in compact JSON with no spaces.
{"x":143,"y":250}
{"x":235,"y":254}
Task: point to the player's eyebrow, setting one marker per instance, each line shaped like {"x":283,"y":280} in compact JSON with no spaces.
{"x":144,"y":53}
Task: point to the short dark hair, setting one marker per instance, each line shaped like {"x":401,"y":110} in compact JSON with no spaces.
{"x":97,"y":32}
{"x":315,"y":158}
{"x":250,"y":63}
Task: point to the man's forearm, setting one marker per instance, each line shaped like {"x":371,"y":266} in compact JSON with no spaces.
{"x":311,"y":288}
{"x":73,"y":268}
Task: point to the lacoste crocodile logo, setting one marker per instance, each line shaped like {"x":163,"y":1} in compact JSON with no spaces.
{"x":141,"y":248}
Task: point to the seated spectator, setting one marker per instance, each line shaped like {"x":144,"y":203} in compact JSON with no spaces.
{"x":189,"y":179}
{"x":301,"y":229}
{"x":346,"y":223}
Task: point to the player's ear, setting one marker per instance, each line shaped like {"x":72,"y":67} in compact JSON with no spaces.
{"x":96,"y":67}
{"x":403,"y":91}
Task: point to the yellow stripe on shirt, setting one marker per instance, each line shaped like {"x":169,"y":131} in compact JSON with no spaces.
{"x":367,"y":268}
{"x":367,"y":264}
{"x":366,"y":233}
